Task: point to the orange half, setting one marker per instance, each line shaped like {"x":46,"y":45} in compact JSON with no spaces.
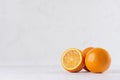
{"x":72,"y":60}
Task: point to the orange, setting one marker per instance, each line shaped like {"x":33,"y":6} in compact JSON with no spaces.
{"x":97,"y":60}
{"x":72,"y":60}
{"x":84,"y":52}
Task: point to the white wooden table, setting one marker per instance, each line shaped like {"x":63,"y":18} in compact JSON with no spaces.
{"x":53,"y":73}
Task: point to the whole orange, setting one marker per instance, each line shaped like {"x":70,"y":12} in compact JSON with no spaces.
{"x":97,"y":60}
{"x":84,"y":52}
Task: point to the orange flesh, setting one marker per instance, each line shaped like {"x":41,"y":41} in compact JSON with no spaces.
{"x":72,"y":60}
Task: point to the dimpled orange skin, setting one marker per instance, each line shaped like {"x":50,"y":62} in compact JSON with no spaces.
{"x":97,"y":60}
{"x":84,"y":52}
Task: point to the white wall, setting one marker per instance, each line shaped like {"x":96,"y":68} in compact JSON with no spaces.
{"x":36,"y":32}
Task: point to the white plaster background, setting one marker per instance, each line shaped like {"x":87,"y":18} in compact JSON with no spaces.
{"x":36,"y":32}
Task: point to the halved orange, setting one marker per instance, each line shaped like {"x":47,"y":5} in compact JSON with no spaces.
{"x":84,"y":52}
{"x":72,"y":60}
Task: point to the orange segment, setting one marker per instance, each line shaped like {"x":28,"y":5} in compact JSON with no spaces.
{"x":72,"y":60}
{"x":84,"y":52}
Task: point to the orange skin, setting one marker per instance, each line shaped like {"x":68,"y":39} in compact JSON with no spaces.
{"x":84,"y":52}
{"x":97,"y":60}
